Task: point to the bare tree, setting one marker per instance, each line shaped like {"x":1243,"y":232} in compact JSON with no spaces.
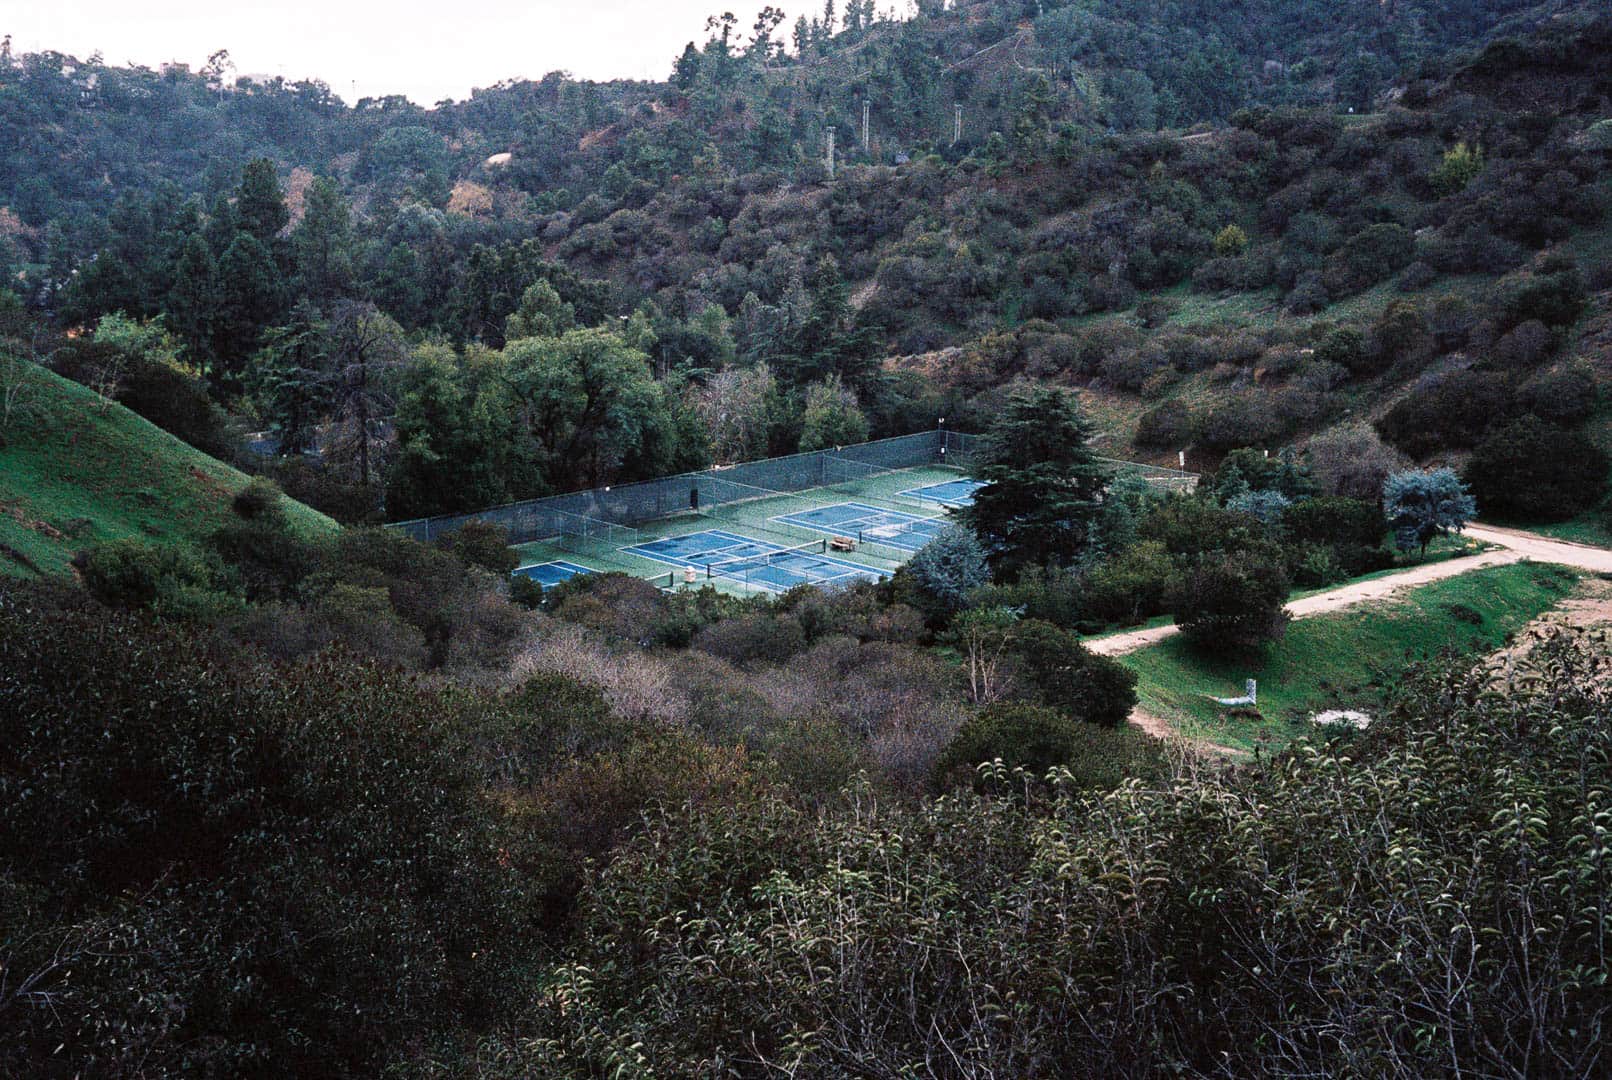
{"x":1351,"y":460}
{"x":19,"y":379}
{"x":736,"y":407}
{"x":365,"y":347}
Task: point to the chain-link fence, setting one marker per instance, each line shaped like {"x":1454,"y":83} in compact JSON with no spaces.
{"x":610,"y":513}
{"x":594,"y":513}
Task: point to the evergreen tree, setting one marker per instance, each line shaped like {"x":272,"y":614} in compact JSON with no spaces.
{"x":449,"y":449}
{"x":321,"y":244}
{"x":289,"y":378}
{"x":687,"y":68}
{"x":365,"y":347}
{"x":192,"y":304}
{"x":827,"y":343}
{"x":259,"y":203}
{"x":221,"y":224}
{"x":1043,"y":485}
{"x":541,"y":314}
{"x":251,"y":298}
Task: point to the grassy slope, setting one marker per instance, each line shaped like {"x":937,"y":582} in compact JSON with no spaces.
{"x":1340,"y":661}
{"x":76,"y":470}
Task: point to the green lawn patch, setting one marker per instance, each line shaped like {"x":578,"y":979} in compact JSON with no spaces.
{"x":1342,"y":660}
{"x":76,"y":470}
{"x":1594,"y":527}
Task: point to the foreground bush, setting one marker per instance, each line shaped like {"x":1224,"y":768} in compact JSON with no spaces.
{"x":209,"y":868}
{"x":1035,"y":739}
{"x":1426,"y":900}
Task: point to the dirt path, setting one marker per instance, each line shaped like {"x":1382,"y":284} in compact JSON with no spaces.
{"x":1334,"y":600}
{"x":1160,"y":728}
{"x":1545,"y":549}
{"x":1515,"y":546}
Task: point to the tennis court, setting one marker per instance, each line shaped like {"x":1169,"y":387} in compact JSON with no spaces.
{"x":952,"y":493}
{"x":756,"y":563}
{"x":552,"y":573}
{"x":868,"y":524}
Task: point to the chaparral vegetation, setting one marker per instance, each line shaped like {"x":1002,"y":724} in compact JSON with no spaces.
{"x":368,"y":707}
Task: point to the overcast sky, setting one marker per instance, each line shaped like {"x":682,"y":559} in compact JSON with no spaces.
{"x":426,"y":49}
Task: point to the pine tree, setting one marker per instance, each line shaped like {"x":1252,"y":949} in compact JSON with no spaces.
{"x":192,"y":303}
{"x":289,"y":378}
{"x":322,"y":244}
{"x":687,"y":68}
{"x":259,"y":202}
{"x":221,"y":225}
{"x":251,"y":298}
{"x":1043,"y":485}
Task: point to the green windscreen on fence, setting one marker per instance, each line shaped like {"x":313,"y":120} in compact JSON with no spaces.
{"x":629,"y":505}
{"x":611,"y":513}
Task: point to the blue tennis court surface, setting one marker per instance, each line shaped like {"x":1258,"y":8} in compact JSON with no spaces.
{"x":552,"y":573}
{"x":772,"y":567}
{"x":868,"y":524}
{"x":951,"y":493}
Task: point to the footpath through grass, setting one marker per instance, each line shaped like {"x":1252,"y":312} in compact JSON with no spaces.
{"x":75,"y":470}
{"x":1345,"y":660}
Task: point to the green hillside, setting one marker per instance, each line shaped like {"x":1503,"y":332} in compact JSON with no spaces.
{"x":1344,"y":660}
{"x":76,"y":469}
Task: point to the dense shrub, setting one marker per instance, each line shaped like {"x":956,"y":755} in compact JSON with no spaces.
{"x":615,"y":605}
{"x":174,"y":400}
{"x":1105,"y":898}
{"x":1167,"y":424}
{"x":1031,"y":737}
{"x":1553,"y":295}
{"x":1052,"y":594}
{"x":1351,"y":460}
{"x":1399,"y":336}
{"x":1232,"y":600}
{"x":272,"y":872}
{"x":949,"y":567}
{"x":1063,"y":674}
{"x":1345,"y":347}
{"x":1525,"y":345}
{"x":481,"y":543}
{"x":760,"y":637}
{"x":1334,"y":520}
{"x":1308,"y":295}
{"x":170,"y":579}
{"x":1374,"y":254}
{"x":1331,"y":538}
{"x":1242,"y":420}
{"x":1564,"y":395}
{"x":257,"y":499}
{"x":1449,"y":410}
{"x":324,"y":489}
{"x":1130,"y":585}
{"x":266,"y":558}
{"x":1534,"y":471}
{"x":1189,"y":525}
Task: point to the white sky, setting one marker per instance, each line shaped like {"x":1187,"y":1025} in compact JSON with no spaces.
{"x":426,"y":49}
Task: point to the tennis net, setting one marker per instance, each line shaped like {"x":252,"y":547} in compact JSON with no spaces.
{"x":583,"y":527}
{"x":842,"y":471}
{"x":742,"y":565}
